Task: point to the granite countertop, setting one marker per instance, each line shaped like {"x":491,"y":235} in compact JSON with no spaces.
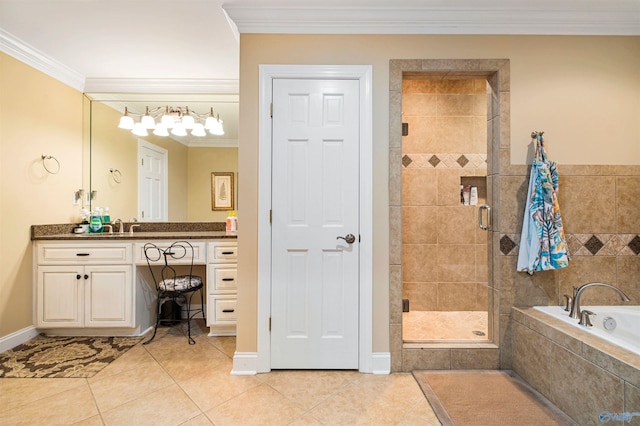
{"x":172,"y":235}
{"x":144,"y":231}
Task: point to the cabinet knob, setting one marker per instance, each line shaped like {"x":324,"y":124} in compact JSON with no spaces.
{"x":78,"y":276}
{"x":86,"y":277}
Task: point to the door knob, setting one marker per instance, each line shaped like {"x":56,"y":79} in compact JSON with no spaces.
{"x":349,"y":238}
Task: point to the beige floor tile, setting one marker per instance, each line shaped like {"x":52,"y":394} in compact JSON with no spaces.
{"x":211,"y":388}
{"x":64,"y":408}
{"x":420,"y":414}
{"x":18,"y":392}
{"x":201,"y":420}
{"x":183,"y":361}
{"x":91,"y":421}
{"x":261,"y":405}
{"x":305,"y":420}
{"x":227,"y":344}
{"x":168,"y":406}
{"x":136,"y":357}
{"x":308,"y":388}
{"x":357,"y":405}
{"x":400,"y":388}
{"x":120,"y":388}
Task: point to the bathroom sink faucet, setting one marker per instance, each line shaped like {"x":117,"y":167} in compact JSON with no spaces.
{"x":120,"y":227}
{"x":575,"y":306}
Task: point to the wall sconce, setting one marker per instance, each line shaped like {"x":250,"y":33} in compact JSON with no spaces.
{"x":174,"y":120}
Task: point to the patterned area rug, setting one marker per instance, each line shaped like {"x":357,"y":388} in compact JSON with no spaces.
{"x":46,"y":356}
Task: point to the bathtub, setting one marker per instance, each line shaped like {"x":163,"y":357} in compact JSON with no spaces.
{"x":616,"y":324}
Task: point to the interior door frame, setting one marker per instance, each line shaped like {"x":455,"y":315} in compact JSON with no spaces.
{"x":364,"y":74}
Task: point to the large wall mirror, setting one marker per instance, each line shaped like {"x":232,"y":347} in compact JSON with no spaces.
{"x":127,"y":172}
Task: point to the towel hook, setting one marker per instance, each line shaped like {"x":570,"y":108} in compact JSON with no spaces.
{"x":536,"y":133}
{"x":44,"y":164}
{"x":116,"y":175}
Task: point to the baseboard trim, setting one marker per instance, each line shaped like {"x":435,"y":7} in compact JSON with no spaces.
{"x":12,"y":340}
{"x":245,"y":364}
{"x":381,"y":362}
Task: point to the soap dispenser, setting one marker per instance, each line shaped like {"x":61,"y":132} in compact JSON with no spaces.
{"x":95,"y":223}
{"x":232,"y":223}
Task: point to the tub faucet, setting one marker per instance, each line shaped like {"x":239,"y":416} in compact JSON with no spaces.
{"x":575,"y":306}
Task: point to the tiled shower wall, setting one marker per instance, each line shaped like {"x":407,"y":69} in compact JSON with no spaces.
{"x":444,"y":252}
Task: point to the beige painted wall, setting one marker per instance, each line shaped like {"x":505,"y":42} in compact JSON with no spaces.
{"x":584,"y":92}
{"x":38,"y":115}
{"x":203,"y":161}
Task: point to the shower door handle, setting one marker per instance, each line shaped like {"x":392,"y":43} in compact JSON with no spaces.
{"x":480,"y":217}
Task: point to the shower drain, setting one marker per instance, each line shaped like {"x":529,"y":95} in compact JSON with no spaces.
{"x":478,"y":332}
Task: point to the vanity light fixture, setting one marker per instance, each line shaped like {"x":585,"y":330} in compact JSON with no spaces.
{"x":174,"y":120}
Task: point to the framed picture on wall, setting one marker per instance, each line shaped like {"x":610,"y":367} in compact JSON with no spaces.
{"x":222,"y":191}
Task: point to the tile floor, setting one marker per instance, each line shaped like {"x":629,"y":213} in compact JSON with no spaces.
{"x":421,"y":326}
{"x":169,"y":382}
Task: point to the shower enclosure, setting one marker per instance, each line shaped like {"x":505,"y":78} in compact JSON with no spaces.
{"x":445,"y":270}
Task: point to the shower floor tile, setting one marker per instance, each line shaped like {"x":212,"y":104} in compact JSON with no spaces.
{"x":419,"y":326}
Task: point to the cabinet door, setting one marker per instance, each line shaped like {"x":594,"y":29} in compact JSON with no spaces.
{"x":108,"y":296}
{"x":59,"y":298}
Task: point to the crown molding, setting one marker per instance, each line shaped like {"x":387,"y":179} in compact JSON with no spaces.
{"x":31,"y":56}
{"x":23,"y":52}
{"x":501,"y":17}
{"x":160,"y":85}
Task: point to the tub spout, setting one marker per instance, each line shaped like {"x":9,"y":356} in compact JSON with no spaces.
{"x":575,"y":306}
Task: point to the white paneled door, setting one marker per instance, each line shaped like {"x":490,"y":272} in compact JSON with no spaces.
{"x":153,"y":187}
{"x":315,"y":224}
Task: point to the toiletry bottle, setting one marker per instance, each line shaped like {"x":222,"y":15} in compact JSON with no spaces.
{"x":106,"y":217}
{"x":473,"y":196}
{"x":232,"y":223}
{"x":95,"y":224}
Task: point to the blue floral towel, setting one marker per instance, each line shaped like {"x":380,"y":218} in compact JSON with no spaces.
{"x":542,"y":243}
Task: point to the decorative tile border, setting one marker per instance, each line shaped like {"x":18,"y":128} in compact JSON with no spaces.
{"x":584,"y":244}
{"x":444,"y":161}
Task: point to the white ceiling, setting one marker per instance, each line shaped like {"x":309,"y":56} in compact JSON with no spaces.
{"x":189,"y":46}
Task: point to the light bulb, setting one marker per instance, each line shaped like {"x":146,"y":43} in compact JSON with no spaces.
{"x":160,"y":130}
{"x":126,"y":122}
{"x":210,"y":122}
{"x":198,"y":130}
{"x":187,"y":121}
{"x":217,"y":129}
{"x":178,"y":129}
{"x":148,"y":122}
{"x":167,"y":121}
{"x":139,"y":130}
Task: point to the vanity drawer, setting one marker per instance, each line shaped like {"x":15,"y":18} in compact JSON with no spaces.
{"x":55,"y":254}
{"x":224,"y":310}
{"x":223,"y":252}
{"x":224,"y":278}
{"x":199,"y":253}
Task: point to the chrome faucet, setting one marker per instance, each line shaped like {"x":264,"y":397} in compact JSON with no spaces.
{"x":121,"y":227}
{"x":575,"y":305}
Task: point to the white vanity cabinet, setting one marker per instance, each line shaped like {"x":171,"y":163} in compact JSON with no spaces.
{"x":222,"y":273}
{"x":88,"y":285}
